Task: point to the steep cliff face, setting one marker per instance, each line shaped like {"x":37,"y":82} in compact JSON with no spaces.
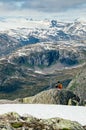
{"x":42,"y":59}
{"x":13,"y":121}
{"x":47,"y":54}
{"x":78,"y":84}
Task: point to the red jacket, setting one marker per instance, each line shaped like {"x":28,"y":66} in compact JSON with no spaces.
{"x":59,"y":86}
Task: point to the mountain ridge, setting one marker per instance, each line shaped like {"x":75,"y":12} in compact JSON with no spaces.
{"x":50,"y":31}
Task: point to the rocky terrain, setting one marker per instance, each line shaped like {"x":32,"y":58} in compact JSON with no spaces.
{"x":78,"y":84}
{"x":74,"y":94}
{"x":51,"y":96}
{"x":47,"y":54}
{"x":36,"y":66}
{"x":13,"y":121}
{"x":19,"y":79}
{"x":7,"y":44}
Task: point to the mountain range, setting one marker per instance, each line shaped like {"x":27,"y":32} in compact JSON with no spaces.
{"x":21,"y":32}
{"x":34,"y":55}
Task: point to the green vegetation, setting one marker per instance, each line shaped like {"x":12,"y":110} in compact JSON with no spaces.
{"x":73,"y":86}
{"x":17,"y":124}
{"x":8,"y":122}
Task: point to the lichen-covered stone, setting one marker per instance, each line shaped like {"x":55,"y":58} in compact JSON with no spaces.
{"x":12,"y":121}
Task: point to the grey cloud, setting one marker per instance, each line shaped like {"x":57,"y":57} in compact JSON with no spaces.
{"x":43,"y":5}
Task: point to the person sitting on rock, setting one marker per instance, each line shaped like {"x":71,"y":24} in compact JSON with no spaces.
{"x":59,"y":85}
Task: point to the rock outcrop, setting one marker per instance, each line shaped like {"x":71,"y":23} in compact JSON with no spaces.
{"x":84,"y":127}
{"x":78,"y":85}
{"x":53,"y":96}
{"x":13,"y":121}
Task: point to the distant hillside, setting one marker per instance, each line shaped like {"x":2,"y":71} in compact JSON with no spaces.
{"x":13,"y":36}
{"x":78,"y":84}
{"x":47,"y":54}
{"x":19,"y":80}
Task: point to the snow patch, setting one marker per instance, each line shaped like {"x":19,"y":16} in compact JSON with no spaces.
{"x":39,"y":72}
{"x":74,"y":113}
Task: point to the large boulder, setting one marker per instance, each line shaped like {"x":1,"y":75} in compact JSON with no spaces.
{"x":52,"y":96}
{"x":13,"y":121}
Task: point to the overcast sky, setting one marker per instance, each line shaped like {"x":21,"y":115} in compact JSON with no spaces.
{"x":62,"y":9}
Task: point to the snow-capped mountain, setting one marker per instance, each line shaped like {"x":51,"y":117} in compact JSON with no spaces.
{"x":77,"y":28}
{"x":28,"y":27}
{"x":49,"y":31}
{"x":17,"y":32}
